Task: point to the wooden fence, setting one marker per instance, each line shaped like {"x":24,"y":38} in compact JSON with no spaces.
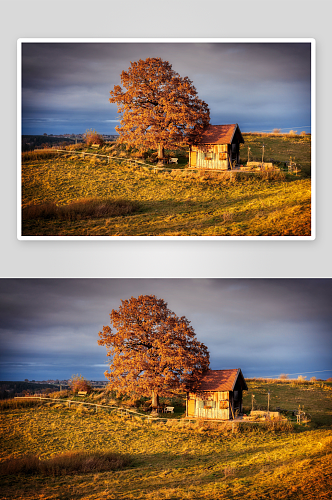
{"x":131,"y":161}
{"x":116,"y":409}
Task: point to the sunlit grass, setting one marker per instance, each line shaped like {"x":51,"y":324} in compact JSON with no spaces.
{"x":177,"y":204}
{"x":173,"y":460}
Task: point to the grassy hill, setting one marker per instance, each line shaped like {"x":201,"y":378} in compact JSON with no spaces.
{"x":172,"y":460}
{"x":67,"y":195}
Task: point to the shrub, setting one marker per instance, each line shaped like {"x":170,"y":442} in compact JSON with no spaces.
{"x":79,"y":383}
{"x":92,"y":137}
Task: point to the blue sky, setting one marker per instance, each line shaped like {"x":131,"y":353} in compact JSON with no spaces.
{"x":260,"y":86}
{"x":49,"y":327}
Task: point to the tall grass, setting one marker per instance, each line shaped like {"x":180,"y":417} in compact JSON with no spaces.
{"x":82,"y":209}
{"x":70,"y":462}
{"x":8,"y":404}
{"x":39,"y":154}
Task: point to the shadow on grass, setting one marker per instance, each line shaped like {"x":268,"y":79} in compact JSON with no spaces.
{"x":86,"y":208}
{"x":71,"y":462}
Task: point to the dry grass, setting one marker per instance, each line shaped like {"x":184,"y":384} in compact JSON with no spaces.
{"x":82,"y":209}
{"x":65,"y":463}
{"x":39,"y":154}
{"x":169,"y":203}
{"x":174,"y":460}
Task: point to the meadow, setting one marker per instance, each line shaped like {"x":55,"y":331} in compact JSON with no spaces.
{"x":175,"y":459}
{"x":164,"y":202}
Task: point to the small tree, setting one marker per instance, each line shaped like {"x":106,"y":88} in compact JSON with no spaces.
{"x":153,"y":351}
{"x":79,"y":383}
{"x":92,"y":137}
{"x":159,"y":108}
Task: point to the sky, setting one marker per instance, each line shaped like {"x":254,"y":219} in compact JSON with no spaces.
{"x":49,"y":327}
{"x":260,"y":86}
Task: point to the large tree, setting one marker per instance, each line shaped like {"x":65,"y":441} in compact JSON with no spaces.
{"x":152,"y":350}
{"x":159,"y":108}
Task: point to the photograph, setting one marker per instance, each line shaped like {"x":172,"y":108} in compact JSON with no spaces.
{"x":166,"y":388}
{"x":166,"y":138}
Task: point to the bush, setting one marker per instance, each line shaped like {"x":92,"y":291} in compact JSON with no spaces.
{"x":92,"y":137}
{"x":79,"y":383}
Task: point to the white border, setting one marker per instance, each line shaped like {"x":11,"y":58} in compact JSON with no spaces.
{"x":312,"y":41}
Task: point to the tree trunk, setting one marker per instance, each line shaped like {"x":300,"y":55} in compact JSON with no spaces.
{"x":155,"y":400}
{"x":161,"y":151}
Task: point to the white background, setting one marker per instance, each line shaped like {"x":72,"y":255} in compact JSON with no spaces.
{"x":178,"y":19}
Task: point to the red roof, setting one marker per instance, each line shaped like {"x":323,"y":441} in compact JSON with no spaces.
{"x":221,"y":380}
{"x":220,"y":134}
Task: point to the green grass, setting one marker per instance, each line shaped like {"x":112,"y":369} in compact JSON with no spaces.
{"x":177,"y":459}
{"x":278,"y":149}
{"x":177,"y":203}
{"x":314,"y":398}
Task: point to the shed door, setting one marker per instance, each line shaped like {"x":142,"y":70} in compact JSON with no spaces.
{"x":191,"y":407}
{"x":193,"y":157}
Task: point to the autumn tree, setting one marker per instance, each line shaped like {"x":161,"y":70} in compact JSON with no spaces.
{"x":152,"y":350}
{"x":160,"y":109}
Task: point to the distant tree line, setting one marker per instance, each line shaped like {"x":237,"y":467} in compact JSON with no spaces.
{"x":12,"y":389}
{"x":31,"y":142}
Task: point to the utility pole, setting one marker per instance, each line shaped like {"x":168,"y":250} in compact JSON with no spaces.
{"x":268,"y":401}
{"x":263,"y":155}
{"x":248,"y":153}
{"x":252,"y":402}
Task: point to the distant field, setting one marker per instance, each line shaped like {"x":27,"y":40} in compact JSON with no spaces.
{"x":177,"y":203}
{"x":176,"y":460}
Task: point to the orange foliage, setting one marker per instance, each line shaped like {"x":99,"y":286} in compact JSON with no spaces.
{"x":78,"y":383}
{"x":159,"y":108}
{"x":92,"y":137}
{"x":152,"y":350}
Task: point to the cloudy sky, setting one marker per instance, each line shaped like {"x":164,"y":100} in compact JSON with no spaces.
{"x":49,"y":327}
{"x":260,"y":86}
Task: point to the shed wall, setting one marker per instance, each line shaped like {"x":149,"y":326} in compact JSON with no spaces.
{"x":214,"y":157}
{"x":214,"y":405}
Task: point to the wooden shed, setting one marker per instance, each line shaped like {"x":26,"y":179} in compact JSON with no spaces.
{"x":218,"y":148}
{"x":218,"y":395}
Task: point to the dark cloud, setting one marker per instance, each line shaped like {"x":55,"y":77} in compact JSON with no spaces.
{"x":254,"y":84}
{"x":264,"y":326}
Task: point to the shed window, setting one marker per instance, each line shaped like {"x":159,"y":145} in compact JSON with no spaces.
{"x":200,"y":404}
{"x":209,"y":156}
{"x":209,"y":404}
{"x":223,"y":405}
{"x":222,"y":156}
